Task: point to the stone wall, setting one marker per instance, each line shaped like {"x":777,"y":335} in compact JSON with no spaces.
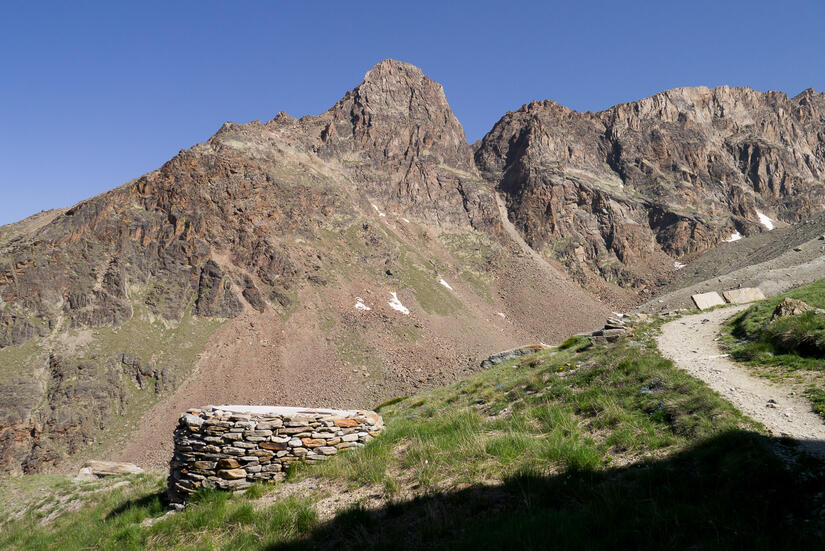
{"x":230,"y":447}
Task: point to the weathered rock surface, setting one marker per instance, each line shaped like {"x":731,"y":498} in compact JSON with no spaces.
{"x":792,"y":307}
{"x":110,"y":468}
{"x":704,"y":301}
{"x":614,"y":328}
{"x":618,"y":195}
{"x":743,"y":295}
{"x":506,"y":355}
{"x":208,"y":455}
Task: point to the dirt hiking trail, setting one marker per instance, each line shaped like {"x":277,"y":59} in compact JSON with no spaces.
{"x":690,"y":343}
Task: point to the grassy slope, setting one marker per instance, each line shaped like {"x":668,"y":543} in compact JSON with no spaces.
{"x":787,"y":347}
{"x":581,"y":448}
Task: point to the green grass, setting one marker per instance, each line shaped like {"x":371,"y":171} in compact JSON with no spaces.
{"x":580,"y":407}
{"x":787,"y":348}
{"x":817,"y":398}
{"x":114,"y":520}
{"x":796,"y":342}
{"x":585,"y":447}
{"x":18,"y":362}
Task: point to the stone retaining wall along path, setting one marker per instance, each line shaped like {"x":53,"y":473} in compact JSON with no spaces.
{"x":230,"y":447}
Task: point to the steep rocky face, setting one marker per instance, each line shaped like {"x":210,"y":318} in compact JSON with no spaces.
{"x":621,"y":194}
{"x":268,"y":254}
{"x":397,"y":137}
{"x":230,"y":201}
{"x":104,"y":307}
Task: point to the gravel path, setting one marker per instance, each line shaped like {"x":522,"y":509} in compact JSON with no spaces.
{"x":691,"y":343}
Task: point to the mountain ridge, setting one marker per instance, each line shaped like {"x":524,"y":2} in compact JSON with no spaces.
{"x":241,"y":262}
{"x":242,"y":259}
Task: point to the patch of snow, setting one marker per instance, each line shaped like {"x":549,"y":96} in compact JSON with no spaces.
{"x":736,"y":236}
{"x":378,"y":210}
{"x":764,"y":220}
{"x":395,"y":304}
{"x":445,"y":284}
{"x":502,"y":315}
{"x":359,"y":305}
{"x":678,"y":265}
{"x":405,"y":220}
{"x":617,"y":314}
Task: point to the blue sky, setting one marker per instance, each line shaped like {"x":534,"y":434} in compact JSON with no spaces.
{"x":93,"y":94}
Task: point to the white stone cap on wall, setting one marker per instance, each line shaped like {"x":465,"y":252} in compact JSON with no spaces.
{"x":285,"y":410}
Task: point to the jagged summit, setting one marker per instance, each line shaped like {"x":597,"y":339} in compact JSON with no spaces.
{"x":624,"y":193}
{"x":388,"y":70}
{"x":278,"y":231}
{"x":294,"y":233}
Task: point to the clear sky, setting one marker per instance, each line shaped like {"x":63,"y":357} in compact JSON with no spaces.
{"x":93,"y":94}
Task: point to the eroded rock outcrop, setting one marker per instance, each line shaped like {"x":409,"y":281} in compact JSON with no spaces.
{"x":234,"y":224}
{"x":116,"y":296}
{"x":619,"y":195}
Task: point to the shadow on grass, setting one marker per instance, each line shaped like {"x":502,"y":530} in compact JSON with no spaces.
{"x":153,"y":504}
{"x":730,"y":492}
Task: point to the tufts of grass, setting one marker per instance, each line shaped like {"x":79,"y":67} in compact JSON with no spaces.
{"x":117,"y":520}
{"x":594,"y":447}
{"x":817,"y":397}
{"x":787,"y":345}
{"x":581,"y":406}
{"x":390,"y":402}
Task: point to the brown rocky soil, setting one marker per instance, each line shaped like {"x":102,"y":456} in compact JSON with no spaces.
{"x":258,"y":266}
{"x":775,"y":262}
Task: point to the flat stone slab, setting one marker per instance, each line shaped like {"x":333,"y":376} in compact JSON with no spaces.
{"x":109,"y":468}
{"x":285,"y":411}
{"x":744,"y":295}
{"x":507,"y":355}
{"x":703,"y":301}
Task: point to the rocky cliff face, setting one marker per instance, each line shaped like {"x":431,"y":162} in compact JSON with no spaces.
{"x":364,"y":246}
{"x":104,"y":307}
{"x":621,"y":194}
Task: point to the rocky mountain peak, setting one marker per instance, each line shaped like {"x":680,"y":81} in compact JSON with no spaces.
{"x":620,"y":194}
{"x":392,"y":73}
{"x":400,"y":111}
{"x":396,"y":133}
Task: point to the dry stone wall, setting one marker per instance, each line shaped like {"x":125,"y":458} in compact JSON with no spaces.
{"x":230,"y":447}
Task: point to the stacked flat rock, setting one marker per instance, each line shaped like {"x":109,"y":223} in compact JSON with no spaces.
{"x":230,"y":447}
{"x":613,"y":328}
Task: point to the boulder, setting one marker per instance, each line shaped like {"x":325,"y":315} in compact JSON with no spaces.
{"x":744,"y":295}
{"x":511,"y":354}
{"x":791,"y":307}
{"x":100,"y":469}
{"x":704,"y":301}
